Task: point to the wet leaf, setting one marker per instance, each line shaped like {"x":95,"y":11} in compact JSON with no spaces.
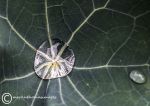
{"x":109,"y":39}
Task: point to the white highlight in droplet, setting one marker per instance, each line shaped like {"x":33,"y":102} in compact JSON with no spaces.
{"x":47,"y":66}
{"x":137,"y":77}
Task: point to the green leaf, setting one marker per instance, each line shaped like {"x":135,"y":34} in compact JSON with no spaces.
{"x":109,"y":38}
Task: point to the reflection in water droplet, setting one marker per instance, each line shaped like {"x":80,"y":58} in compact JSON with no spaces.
{"x":137,"y":77}
{"x":49,"y":65}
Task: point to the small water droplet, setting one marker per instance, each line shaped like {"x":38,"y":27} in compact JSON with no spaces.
{"x":49,"y":65}
{"x":137,"y":77}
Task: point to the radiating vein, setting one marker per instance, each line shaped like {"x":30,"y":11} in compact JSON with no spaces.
{"x":12,"y":27}
{"x":59,"y":5}
{"x":97,"y":28}
{"x":60,"y":90}
{"x":44,"y":55}
{"x":145,"y":13}
{"x":112,"y":79}
{"x":113,"y":10}
{"x":80,"y":26}
{"x":93,"y":4}
{"x":88,"y":102}
{"x":20,"y":36}
{"x":81,"y":68}
{"x":65,"y":21}
{"x":40,"y":84}
{"x":111,"y":66}
{"x":126,"y":40}
{"x":48,"y":86}
{"x":6,"y":8}
{"x":3,"y":17}
{"x":90,"y":55}
{"x":47,"y":23}
{"x":17,"y":78}
{"x":79,"y":8}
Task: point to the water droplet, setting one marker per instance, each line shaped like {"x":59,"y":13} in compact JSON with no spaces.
{"x":49,"y":65}
{"x":137,"y":77}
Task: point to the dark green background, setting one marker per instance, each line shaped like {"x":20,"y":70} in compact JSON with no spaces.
{"x":116,"y":38}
